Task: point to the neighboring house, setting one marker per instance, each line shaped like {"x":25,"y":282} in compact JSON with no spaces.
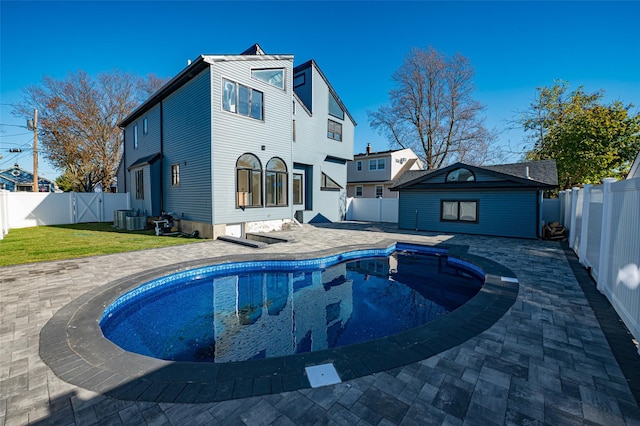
{"x":113,"y":186}
{"x":502,"y":200}
{"x":238,"y":143}
{"x":372,"y":174}
{"x":634,"y":172}
{"x":17,"y":179}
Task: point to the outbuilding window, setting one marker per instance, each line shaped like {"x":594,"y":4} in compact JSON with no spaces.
{"x":459,"y":211}
{"x":460,"y":175}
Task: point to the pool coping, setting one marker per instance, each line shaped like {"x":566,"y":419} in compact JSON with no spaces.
{"x":72,"y":344}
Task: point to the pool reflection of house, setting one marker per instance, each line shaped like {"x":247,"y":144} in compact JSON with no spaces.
{"x":288,"y":312}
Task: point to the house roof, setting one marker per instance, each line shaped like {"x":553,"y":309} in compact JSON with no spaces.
{"x":18,"y":175}
{"x":538,"y":174}
{"x":364,"y":154}
{"x":313,"y":63}
{"x":193,"y":69}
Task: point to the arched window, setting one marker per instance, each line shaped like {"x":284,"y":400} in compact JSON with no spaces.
{"x":276,"y":182}
{"x":248,"y":181}
{"x":460,"y":175}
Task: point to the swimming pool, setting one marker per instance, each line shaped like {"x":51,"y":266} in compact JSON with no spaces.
{"x":252,"y":310}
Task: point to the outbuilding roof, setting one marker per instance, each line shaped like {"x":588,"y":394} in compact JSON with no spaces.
{"x":541,"y":174}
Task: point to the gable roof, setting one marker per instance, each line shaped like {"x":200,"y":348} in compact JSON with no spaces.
{"x":535,"y":174}
{"x":18,"y":175}
{"x":254,"y":52}
{"x":311,"y":63}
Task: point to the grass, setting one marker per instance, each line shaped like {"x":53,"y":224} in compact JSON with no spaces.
{"x":43,"y":243}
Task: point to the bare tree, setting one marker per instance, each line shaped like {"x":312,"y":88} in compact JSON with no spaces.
{"x":78,"y":121}
{"x":432,"y":111}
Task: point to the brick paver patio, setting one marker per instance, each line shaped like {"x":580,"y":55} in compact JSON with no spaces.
{"x":546,"y":361}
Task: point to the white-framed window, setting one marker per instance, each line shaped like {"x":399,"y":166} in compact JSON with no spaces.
{"x":272,"y":76}
{"x":359,"y":166}
{"x":145,"y":126}
{"x":379,"y":191}
{"x":298,"y":188}
{"x":358,"y":191}
{"x":175,"y":175}
{"x":135,"y":136}
{"x":242,"y":100}
{"x":334,"y":130}
{"x":459,"y":211}
{"x":377,"y":164}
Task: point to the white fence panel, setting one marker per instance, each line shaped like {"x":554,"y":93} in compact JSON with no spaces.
{"x":26,"y":209}
{"x":619,"y":277}
{"x":593,"y":232}
{"x":111,"y":202}
{"x":576,"y":219}
{"x":605,"y":234}
{"x":39,"y":208}
{"x":373,"y":209}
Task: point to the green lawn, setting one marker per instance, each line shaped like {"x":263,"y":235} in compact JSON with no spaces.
{"x":42,"y":243}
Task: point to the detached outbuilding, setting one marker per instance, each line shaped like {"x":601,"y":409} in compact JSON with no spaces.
{"x":502,"y":200}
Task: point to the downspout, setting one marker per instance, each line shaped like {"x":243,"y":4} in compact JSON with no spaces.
{"x":161,"y":156}
{"x":124,"y":159}
{"x":538,"y":213}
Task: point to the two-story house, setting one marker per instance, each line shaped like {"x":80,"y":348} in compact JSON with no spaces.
{"x":17,"y":179}
{"x":239,"y":143}
{"x":371,"y":174}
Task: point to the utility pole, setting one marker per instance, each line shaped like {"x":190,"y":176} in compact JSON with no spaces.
{"x":35,"y":151}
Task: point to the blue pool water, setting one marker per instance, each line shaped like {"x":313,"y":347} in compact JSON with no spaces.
{"x":251,"y":310}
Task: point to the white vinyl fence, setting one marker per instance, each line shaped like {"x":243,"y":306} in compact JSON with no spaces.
{"x":604,"y":231}
{"x":373,"y":209}
{"x":25,"y":209}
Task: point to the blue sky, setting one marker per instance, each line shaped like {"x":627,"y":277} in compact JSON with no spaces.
{"x":513,"y":46}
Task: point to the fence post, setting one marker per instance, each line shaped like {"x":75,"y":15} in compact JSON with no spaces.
{"x":584,"y":226}
{"x":605,"y":234}
{"x":4,"y":219}
{"x":575,"y":192}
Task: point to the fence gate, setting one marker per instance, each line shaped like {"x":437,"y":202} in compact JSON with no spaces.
{"x":87,"y":207}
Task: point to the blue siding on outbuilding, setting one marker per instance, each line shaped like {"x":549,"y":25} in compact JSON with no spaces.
{"x":506,"y":213}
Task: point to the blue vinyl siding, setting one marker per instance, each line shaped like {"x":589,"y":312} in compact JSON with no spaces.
{"x":187,"y":141}
{"x":501,"y":213}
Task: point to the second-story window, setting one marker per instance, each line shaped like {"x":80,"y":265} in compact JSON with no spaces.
{"x":272,"y":76}
{"x":334,"y":130}
{"x":145,"y":126}
{"x":242,"y":100}
{"x":377,"y":164}
{"x":135,"y":136}
{"x":359,"y":165}
{"x":334,"y":107}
